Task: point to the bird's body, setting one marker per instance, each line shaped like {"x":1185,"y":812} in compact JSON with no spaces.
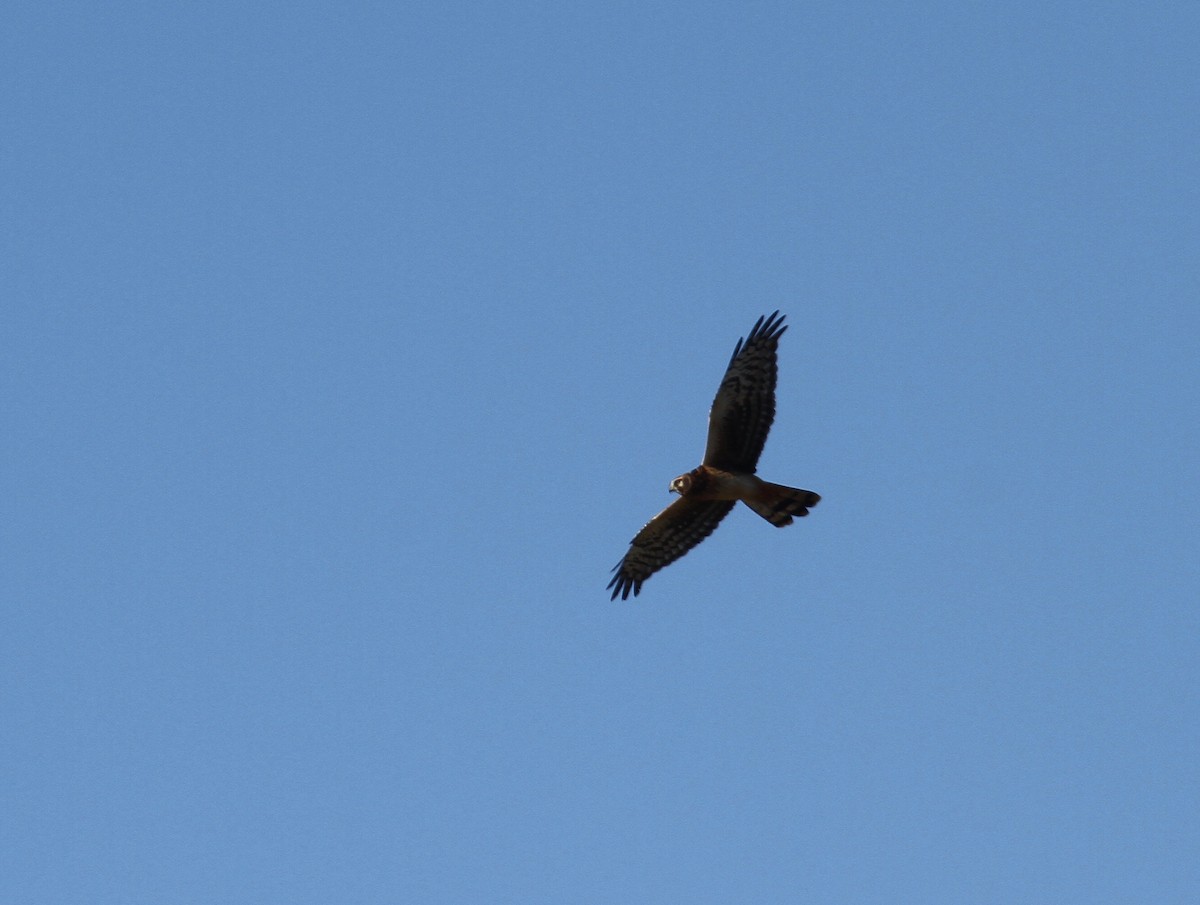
{"x":774,"y":502}
{"x":707,"y":483}
{"x":738,"y":424}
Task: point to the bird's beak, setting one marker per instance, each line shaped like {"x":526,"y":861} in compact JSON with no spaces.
{"x":671,"y":488}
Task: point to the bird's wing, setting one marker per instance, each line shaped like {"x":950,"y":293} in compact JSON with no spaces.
{"x":744,"y":408}
{"x":665,"y":538}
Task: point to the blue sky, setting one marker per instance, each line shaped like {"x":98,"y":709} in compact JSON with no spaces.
{"x":345,"y":348}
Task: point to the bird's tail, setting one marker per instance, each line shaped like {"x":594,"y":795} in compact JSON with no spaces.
{"x":777,"y":504}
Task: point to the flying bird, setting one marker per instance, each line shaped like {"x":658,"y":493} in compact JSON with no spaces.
{"x":738,"y":424}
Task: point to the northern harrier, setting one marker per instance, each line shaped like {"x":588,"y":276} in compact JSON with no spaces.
{"x":738,"y":424}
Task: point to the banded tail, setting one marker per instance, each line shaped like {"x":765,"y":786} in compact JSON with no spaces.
{"x":777,"y":504}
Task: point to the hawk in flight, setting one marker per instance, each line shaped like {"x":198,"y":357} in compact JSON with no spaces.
{"x":738,"y":424}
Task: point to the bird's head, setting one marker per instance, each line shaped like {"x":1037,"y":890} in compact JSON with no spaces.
{"x":682,"y":484}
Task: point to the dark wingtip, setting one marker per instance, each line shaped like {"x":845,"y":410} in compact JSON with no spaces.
{"x":775,"y":324}
{"x":623,"y":585}
{"x":768,"y":326}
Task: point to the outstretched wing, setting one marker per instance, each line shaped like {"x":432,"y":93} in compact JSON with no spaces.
{"x":742,"y":413}
{"x":666,"y":537}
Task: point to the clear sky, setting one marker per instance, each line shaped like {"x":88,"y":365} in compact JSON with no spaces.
{"x":344,"y":348}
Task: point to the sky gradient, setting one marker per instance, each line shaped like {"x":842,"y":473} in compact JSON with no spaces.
{"x":345,"y":347}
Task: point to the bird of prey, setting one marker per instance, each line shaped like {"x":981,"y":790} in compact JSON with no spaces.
{"x":738,"y":424}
